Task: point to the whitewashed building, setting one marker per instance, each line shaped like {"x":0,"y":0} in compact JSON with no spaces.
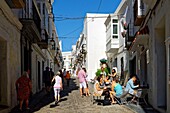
{"x":149,"y":49}
{"x":10,"y":55}
{"x":93,"y":42}
{"x":29,"y":42}
{"x":116,"y":51}
{"x":67,"y":58}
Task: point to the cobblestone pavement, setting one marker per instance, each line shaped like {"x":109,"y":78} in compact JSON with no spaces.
{"x":72,"y":102}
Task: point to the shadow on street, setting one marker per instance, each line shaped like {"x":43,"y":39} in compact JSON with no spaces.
{"x":41,"y":99}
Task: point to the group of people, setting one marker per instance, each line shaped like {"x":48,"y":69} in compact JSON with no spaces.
{"x":110,"y":83}
{"x":103,"y":83}
{"x":50,"y":79}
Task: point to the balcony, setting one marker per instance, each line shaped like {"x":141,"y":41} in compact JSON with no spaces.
{"x":112,"y":45}
{"x":18,"y":4}
{"x":139,"y":12}
{"x":129,"y":36}
{"x":31,"y":20}
{"x":43,"y":44}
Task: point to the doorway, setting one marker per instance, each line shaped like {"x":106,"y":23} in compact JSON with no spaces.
{"x":160,"y":51}
{"x":39,"y":77}
{"x":3,"y":72}
{"x":132,"y":66}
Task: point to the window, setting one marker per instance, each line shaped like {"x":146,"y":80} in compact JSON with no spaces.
{"x":114,"y":36}
{"x":39,"y":7}
{"x":114,"y":21}
{"x":115,"y":29}
{"x":43,"y":8}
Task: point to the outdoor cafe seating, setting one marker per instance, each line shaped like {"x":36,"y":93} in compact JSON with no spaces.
{"x":125,"y":97}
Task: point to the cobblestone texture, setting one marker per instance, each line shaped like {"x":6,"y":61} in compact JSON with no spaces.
{"x":72,"y":102}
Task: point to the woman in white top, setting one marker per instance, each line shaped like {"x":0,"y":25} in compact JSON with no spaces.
{"x":97,"y":90}
{"x":57,"y":86}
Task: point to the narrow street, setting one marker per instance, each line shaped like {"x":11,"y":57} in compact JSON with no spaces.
{"x":71,"y":102}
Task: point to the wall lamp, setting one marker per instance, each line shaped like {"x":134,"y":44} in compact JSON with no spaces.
{"x":52,"y":43}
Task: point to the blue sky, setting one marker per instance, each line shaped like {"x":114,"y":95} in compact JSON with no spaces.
{"x":70,"y":29}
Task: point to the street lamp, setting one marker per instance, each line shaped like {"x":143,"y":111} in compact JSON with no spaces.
{"x":84,"y":49}
{"x":52,"y":43}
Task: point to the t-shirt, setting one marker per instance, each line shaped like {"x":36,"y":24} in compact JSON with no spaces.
{"x":81,"y":76}
{"x":118,"y":89}
{"x":67,"y":76}
{"x":58,"y":80}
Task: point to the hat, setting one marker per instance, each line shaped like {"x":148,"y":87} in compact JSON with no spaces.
{"x":58,"y":73}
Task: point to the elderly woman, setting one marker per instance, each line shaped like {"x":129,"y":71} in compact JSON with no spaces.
{"x":24,"y":87}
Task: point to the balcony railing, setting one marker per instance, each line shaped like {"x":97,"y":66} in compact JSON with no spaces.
{"x":31,"y":20}
{"x":129,"y":36}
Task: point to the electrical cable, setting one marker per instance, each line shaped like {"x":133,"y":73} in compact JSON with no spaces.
{"x":99,"y":5}
{"x":83,"y":23}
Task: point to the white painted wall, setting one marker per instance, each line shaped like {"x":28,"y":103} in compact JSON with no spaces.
{"x":96,"y":42}
{"x":10,"y":64}
{"x":67,"y":61}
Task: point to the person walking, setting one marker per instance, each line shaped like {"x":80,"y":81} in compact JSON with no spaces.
{"x":24,"y":88}
{"x":62,"y":77}
{"x":82,"y":81}
{"x":47,"y":79}
{"x":64,"y":74}
{"x":51,"y":73}
{"x":67,"y":77}
{"x":88,"y":92}
{"x":57,"y":86}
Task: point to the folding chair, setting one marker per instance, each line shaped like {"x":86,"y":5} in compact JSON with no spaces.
{"x":142,"y":95}
{"x":122,"y":98}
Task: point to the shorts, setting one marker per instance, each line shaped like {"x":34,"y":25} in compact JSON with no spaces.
{"x":56,"y":92}
{"x":83,"y":84}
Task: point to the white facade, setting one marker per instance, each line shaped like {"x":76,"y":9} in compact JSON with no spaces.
{"x":67,"y":57}
{"x":94,"y":34}
{"x":10,"y":55}
{"x":150,"y":50}
{"x":116,"y":52}
{"x":26,"y":28}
